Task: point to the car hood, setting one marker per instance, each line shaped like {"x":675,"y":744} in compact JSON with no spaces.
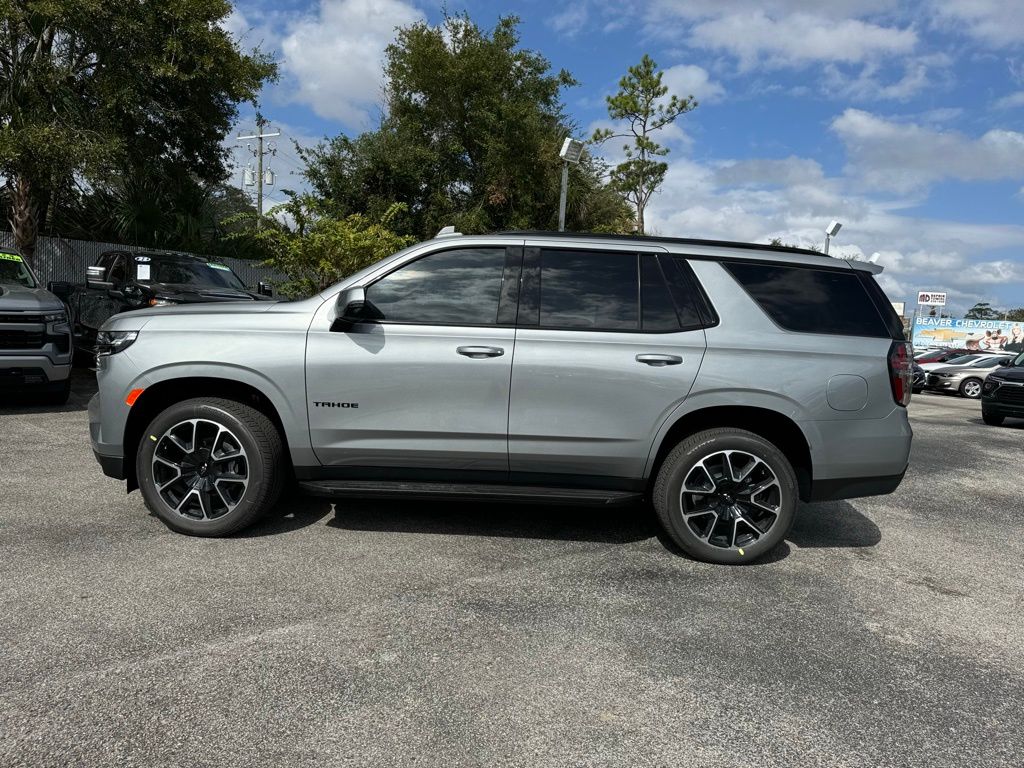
{"x":194,"y":294}
{"x":18,"y":298}
{"x":1010,"y":374}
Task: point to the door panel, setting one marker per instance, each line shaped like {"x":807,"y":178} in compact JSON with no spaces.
{"x":607,"y":347}
{"x":425,"y":385}
{"x":413,"y":399}
{"x":581,"y":403}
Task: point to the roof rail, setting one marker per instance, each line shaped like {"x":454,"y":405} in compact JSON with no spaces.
{"x":656,"y":239}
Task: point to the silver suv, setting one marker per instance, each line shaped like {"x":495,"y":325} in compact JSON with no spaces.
{"x":721,"y":381}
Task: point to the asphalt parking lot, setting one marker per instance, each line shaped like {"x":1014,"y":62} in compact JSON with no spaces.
{"x":886,"y":631}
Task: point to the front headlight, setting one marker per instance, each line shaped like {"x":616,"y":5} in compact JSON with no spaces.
{"x":112,"y":342}
{"x":55,"y":317}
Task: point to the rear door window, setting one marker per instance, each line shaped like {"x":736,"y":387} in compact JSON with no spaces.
{"x":595,"y":291}
{"x":812,"y":300}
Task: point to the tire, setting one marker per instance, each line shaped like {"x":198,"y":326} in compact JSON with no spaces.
{"x":215,"y":495}
{"x":970,"y":388}
{"x":992,"y":419}
{"x":709,"y":536}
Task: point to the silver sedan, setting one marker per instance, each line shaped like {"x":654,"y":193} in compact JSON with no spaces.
{"x":965,"y":380}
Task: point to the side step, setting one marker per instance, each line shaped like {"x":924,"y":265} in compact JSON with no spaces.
{"x":381,"y":489}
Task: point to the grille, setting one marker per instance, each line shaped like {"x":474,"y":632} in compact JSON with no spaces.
{"x":21,"y":339}
{"x":1010,"y":394}
{"x":9,"y":318}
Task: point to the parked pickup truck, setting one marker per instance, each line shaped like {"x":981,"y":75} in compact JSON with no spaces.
{"x":124,"y":281}
{"x":35,"y":339}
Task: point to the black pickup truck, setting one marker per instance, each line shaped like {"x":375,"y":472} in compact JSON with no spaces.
{"x":122,"y":281}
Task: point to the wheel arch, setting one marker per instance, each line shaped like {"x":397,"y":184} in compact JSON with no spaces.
{"x":774,"y":426}
{"x":156,"y":397}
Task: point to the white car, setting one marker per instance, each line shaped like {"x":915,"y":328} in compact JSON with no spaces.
{"x":964,"y":361}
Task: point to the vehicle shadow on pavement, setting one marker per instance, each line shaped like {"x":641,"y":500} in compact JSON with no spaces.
{"x":614,"y":525}
{"x":83,"y":387}
{"x":833,"y":524}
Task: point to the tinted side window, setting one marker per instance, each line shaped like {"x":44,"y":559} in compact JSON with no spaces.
{"x":459,"y":287}
{"x":119,"y":271}
{"x":586,"y":290}
{"x":693,"y":307}
{"x":811,"y":300}
{"x":658,"y":311}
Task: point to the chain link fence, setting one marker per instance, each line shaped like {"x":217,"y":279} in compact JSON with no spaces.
{"x":61,"y":259}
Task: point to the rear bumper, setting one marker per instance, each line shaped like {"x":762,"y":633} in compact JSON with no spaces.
{"x":851,"y":453}
{"x":112,"y":466}
{"x":854,"y":487}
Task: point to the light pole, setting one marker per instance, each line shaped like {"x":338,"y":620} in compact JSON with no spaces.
{"x":831,"y":231}
{"x":572,"y":151}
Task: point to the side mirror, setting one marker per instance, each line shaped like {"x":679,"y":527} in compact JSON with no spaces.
{"x":264,"y":289}
{"x":1004,"y":363}
{"x":114,"y":293}
{"x":352,"y":309}
{"x":95,"y":277}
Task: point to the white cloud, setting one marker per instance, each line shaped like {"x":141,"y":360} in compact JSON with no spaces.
{"x":332,"y":57}
{"x":690,"y":80}
{"x":757,"y":39}
{"x":902,"y":157}
{"x":871,"y":84}
{"x":570,"y":21}
{"x":998,"y":23}
{"x":1011,"y":101}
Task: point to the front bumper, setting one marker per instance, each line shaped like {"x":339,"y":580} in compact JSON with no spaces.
{"x":22,"y":372}
{"x":939,"y":384}
{"x":111,"y":461}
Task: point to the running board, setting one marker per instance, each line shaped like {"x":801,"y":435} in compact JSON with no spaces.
{"x":376,"y":489}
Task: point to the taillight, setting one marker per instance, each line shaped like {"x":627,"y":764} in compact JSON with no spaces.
{"x":901,"y":373}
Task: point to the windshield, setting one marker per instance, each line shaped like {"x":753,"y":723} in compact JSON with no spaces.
{"x":194,"y":273}
{"x":14,"y":271}
{"x":963,"y":360}
{"x":988,"y":362}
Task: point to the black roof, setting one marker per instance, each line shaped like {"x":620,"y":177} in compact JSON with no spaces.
{"x":159,"y":254}
{"x":655,"y":239}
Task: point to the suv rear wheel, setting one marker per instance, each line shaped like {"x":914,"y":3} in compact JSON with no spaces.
{"x":210,"y":467}
{"x":726,"y":495}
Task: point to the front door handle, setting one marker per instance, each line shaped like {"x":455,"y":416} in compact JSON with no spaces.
{"x":659,"y":360}
{"x":479,"y":353}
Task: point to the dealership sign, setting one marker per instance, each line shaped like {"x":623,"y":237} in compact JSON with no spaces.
{"x":932,"y":298}
{"x":979,"y":335}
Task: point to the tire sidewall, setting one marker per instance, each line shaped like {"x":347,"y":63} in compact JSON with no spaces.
{"x":705,"y":446}
{"x":963,"y":388}
{"x":233,"y":520}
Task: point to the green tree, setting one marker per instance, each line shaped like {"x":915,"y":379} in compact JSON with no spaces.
{"x":319,"y":249}
{"x":641,"y":106}
{"x":93,"y":88}
{"x":983,"y":311}
{"x":470,"y":137}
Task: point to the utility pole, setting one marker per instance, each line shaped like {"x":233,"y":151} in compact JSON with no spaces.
{"x":259,"y":152}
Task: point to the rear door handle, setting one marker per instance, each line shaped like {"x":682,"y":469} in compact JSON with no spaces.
{"x":659,"y":360}
{"x":479,"y":353}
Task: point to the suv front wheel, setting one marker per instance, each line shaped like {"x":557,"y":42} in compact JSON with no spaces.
{"x":210,"y":467}
{"x":726,"y":496}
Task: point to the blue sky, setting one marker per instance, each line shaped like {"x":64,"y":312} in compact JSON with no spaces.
{"x":904,"y":120}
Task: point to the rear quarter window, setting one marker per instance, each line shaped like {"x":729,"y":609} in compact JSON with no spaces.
{"x":810,"y":300}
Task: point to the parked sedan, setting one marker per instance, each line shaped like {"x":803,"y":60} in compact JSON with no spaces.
{"x":939,"y":355}
{"x":918,"y":378}
{"x":959,"y":362}
{"x":965,"y":380}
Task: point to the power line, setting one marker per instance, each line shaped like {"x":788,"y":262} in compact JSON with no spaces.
{"x":259,"y":152}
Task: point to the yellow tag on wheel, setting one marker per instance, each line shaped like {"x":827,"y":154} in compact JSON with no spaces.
{"x":741,"y":550}
{"x":10,"y":257}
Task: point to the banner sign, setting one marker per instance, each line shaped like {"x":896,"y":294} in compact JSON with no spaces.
{"x":932,"y":298}
{"x":980,"y":335}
